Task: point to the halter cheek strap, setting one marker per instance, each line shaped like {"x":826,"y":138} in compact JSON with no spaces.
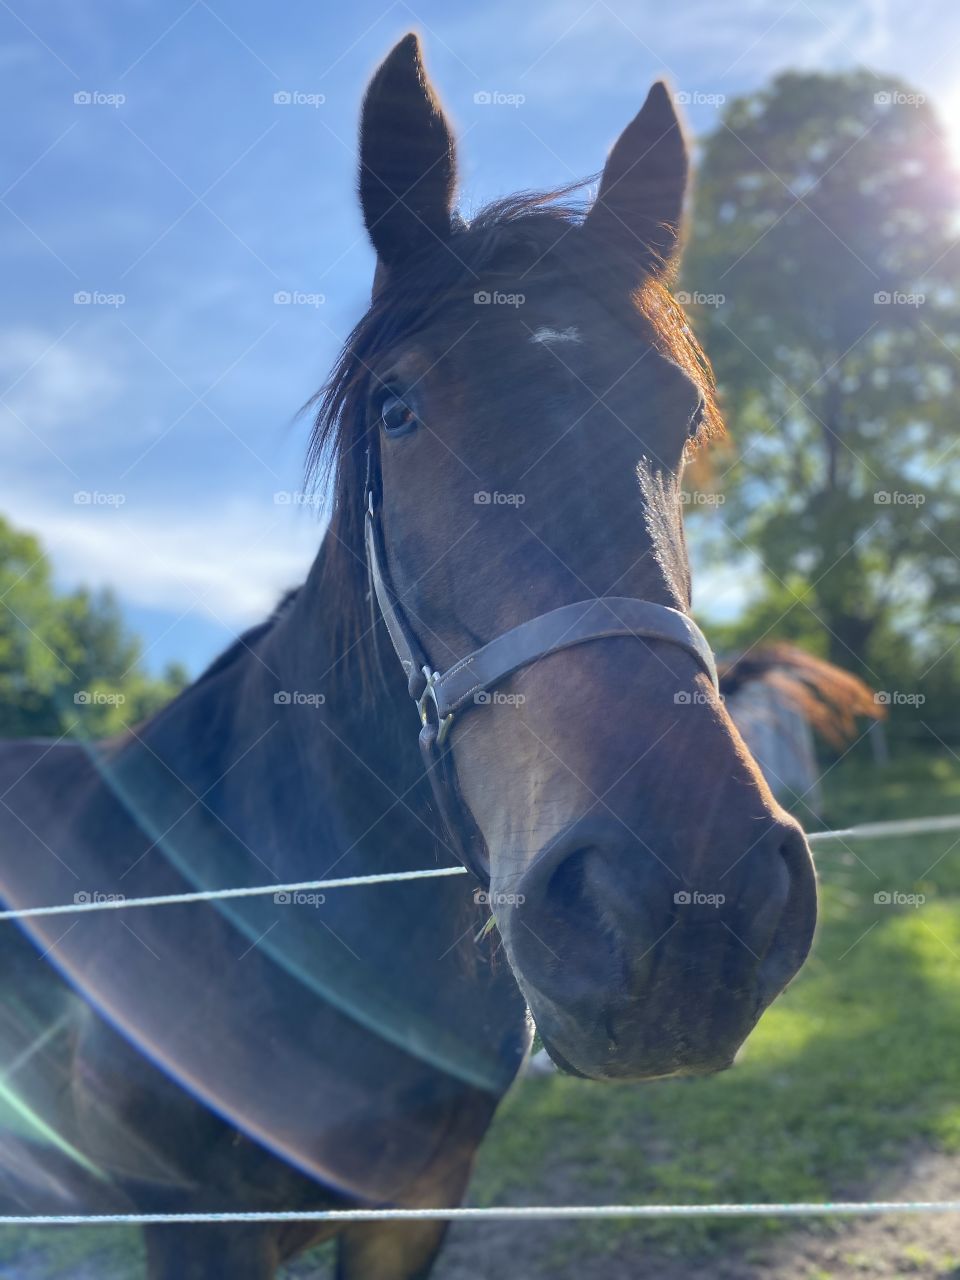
{"x":442,"y":696}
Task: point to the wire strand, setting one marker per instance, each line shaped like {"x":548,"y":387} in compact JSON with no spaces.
{"x":867,"y":830}
{"x":209,"y":895}
{"x":501,"y":1213}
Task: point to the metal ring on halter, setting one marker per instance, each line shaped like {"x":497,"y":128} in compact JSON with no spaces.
{"x":430,"y":695}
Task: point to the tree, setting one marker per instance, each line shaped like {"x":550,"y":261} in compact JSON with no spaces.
{"x":67,"y":663}
{"x":823,"y":273}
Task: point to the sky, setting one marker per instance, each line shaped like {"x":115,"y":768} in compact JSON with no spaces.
{"x":182,"y":254}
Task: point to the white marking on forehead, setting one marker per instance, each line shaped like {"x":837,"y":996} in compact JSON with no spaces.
{"x":545,"y":334}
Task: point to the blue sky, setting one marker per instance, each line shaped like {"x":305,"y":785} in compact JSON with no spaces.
{"x":183,"y":188}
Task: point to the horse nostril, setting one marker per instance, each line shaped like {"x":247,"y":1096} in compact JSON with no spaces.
{"x":794,"y":932}
{"x":564,"y":924}
{"x":567,"y":935}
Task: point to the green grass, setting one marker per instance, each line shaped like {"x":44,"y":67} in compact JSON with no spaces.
{"x":855,"y":1064}
{"x":859,"y":1058}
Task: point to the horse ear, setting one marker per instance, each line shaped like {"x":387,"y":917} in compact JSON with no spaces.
{"x":640,"y":201}
{"x":407,"y":158}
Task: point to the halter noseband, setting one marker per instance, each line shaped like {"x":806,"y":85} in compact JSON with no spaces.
{"x":441,"y":696}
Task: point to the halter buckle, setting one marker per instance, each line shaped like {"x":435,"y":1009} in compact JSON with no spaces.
{"x":430,"y":695}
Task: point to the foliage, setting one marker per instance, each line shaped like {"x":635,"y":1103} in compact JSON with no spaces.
{"x":67,"y":663}
{"x":824,"y":275}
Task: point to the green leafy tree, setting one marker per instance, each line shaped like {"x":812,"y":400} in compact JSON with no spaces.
{"x":823,"y":272}
{"x":67,"y":663}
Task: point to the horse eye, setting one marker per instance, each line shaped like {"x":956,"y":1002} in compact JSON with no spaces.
{"x":396,"y":416}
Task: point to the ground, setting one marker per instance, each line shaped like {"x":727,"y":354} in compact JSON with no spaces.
{"x":849,"y":1088}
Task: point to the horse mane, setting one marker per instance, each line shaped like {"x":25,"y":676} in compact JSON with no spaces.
{"x":829,"y":698}
{"x":527,"y":232}
{"x":247,"y":639}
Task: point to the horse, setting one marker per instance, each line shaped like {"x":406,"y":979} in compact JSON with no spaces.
{"x":504,"y":566}
{"x":780,"y":697}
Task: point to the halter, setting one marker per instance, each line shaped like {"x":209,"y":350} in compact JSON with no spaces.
{"x":442,"y":697}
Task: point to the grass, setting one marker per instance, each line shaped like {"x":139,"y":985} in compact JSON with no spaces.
{"x":856,"y":1063}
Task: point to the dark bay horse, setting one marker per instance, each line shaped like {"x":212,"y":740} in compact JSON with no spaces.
{"x":506,"y":429}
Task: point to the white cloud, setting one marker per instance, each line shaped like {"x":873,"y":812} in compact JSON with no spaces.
{"x":230,"y":563}
{"x":49,"y":382}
